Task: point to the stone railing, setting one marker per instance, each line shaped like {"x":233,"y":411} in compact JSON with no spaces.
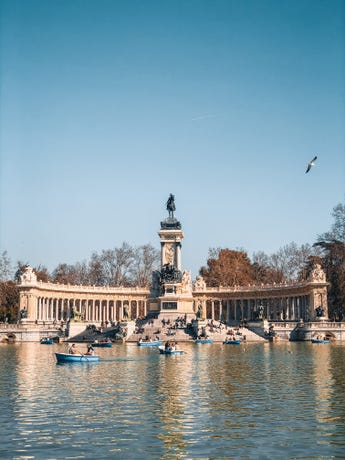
{"x":257,"y":287}
{"x":86,"y":288}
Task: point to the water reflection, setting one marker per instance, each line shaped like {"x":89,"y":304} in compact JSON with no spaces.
{"x":258,"y":400}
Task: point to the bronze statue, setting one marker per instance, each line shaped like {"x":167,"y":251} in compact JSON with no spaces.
{"x":125,"y":312}
{"x":199,"y":313}
{"x":171,"y":205}
{"x":320,"y":311}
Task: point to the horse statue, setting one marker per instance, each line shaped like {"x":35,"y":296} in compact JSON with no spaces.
{"x":171,"y":205}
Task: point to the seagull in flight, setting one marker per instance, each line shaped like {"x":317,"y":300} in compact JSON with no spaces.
{"x":311,"y":164}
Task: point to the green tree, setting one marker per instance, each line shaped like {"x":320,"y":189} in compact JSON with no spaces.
{"x":332,"y":244}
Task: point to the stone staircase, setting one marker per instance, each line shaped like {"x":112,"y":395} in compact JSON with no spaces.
{"x":153,"y":328}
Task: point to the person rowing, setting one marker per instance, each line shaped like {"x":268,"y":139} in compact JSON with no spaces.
{"x":90,"y":350}
{"x":73,"y":350}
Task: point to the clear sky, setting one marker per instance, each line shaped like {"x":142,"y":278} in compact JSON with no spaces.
{"x":107,"y":106}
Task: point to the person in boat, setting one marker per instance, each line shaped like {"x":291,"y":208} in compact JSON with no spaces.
{"x":90,"y":350}
{"x":73,"y":350}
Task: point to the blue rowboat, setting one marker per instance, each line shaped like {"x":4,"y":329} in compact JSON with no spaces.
{"x":319,"y":341}
{"x":68,"y":358}
{"x":203,"y":340}
{"x":102,"y":344}
{"x":47,"y":341}
{"x":154,"y":343}
{"x":169,"y":351}
{"x":232,"y":342}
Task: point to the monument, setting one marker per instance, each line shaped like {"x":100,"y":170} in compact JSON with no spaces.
{"x":171,"y":292}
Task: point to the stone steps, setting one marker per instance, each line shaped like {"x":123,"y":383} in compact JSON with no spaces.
{"x":184,"y":335}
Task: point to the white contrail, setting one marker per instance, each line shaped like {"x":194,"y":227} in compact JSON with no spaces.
{"x":202,"y":117}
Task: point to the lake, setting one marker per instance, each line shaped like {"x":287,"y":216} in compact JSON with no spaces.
{"x":264,"y":401}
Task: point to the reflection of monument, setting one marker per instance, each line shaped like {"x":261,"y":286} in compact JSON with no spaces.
{"x":172,"y":289}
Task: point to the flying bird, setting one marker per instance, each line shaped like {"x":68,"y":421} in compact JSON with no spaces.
{"x":311,"y":164}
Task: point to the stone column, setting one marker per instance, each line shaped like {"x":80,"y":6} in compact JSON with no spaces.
{"x":227,"y":310}
{"x":178,"y":256}
{"x":39,"y":307}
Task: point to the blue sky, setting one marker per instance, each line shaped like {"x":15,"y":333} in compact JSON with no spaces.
{"x":109,"y":106}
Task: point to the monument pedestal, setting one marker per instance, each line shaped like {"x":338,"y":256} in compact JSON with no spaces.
{"x":321,"y":319}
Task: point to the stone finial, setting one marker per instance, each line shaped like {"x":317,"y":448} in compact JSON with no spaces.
{"x":317,"y":274}
{"x":200,"y":284}
{"x":29,"y":276}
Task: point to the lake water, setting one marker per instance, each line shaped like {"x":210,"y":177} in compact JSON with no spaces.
{"x":262,"y":401}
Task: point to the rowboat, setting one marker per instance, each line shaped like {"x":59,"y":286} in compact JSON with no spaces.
{"x":102,"y":344}
{"x":47,"y":341}
{"x":203,"y":341}
{"x":169,"y":351}
{"x":232,"y":342}
{"x":153,"y":343}
{"x":77,"y":358}
{"x":319,"y":341}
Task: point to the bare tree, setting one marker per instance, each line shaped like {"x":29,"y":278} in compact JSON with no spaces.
{"x":65,"y":274}
{"x":146,"y":260}
{"x":290,"y":260}
{"x":263,"y":271}
{"x":5,"y":267}
{"x":96,"y":273}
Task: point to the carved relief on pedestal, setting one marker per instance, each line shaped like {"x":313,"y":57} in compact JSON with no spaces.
{"x":169,"y":253}
{"x":317,"y":274}
{"x":28,"y":277}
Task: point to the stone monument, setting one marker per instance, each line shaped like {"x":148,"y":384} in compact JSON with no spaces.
{"x":171,"y":288}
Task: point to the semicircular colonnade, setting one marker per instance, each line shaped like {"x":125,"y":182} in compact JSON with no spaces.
{"x":51,"y":302}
